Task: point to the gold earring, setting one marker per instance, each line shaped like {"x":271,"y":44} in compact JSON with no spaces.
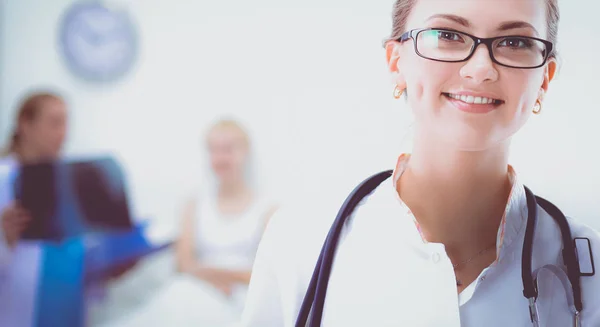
{"x":397,"y":92}
{"x":537,"y":108}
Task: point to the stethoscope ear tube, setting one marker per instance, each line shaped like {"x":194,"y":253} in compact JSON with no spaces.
{"x":307,"y":303}
{"x":529,"y":290}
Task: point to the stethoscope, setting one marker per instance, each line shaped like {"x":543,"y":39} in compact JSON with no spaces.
{"x":314,"y":299}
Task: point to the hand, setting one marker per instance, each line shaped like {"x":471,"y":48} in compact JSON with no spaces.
{"x":223,"y":286}
{"x":216,"y":278}
{"x":14,"y":221}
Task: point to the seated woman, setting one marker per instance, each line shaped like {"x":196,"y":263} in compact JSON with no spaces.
{"x":221,"y":229}
{"x":220,"y":232}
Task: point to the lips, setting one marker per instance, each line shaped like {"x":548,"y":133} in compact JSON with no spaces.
{"x":471,"y":99}
{"x":473,"y":103}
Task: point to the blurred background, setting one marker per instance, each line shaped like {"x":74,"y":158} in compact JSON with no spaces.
{"x":146,"y":81}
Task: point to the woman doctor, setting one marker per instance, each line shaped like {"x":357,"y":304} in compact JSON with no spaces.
{"x":440,"y":243}
{"x":39,"y":135}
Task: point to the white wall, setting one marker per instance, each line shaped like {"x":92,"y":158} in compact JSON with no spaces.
{"x":308,"y":77}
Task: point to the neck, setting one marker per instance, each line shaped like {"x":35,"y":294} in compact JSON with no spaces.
{"x":233,"y":189}
{"x":458,"y":197}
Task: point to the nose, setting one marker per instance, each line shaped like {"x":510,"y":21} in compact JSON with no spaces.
{"x":480,"y":68}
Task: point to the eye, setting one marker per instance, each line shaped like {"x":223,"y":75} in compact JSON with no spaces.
{"x":450,"y":36}
{"x":516,"y":43}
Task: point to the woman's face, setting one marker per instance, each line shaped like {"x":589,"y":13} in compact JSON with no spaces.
{"x":46,"y":133}
{"x":228,"y":152}
{"x":471,"y":127}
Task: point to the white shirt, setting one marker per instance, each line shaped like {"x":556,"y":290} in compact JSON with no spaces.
{"x":228,"y":241}
{"x":384,"y":274}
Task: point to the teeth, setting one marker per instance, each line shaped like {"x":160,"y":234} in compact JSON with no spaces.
{"x":472,"y":99}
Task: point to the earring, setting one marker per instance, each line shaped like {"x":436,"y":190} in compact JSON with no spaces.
{"x":397,"y":92}
{"x":537,"y":108}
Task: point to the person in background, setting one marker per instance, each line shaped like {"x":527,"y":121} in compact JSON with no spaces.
{"x":31,"y":270}
{"x":220,"y":232}
{"x":221,"y":229}
{"x":38,"y":136}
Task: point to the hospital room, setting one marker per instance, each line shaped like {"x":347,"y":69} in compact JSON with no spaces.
{"x":202,"y":163}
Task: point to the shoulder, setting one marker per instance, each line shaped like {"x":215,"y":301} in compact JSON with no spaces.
{"x":296,"y":228}
{"x":582,"y":231}
{"x":293,"y":238}
{"x":284,"y":263}
{"x":549,"y":231}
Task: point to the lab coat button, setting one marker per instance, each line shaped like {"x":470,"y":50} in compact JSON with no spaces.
{"x":436,"y":257}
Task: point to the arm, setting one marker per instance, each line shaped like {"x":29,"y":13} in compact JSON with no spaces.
{"x":184,"y":247}
{"x":5,"y":251}
{"x":223,"y":275}
{"x":186,"y":257}
{"x":13,"y":220}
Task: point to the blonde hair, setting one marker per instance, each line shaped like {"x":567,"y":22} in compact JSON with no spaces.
{"x":244,"y":139}
{"x":233,"y":125}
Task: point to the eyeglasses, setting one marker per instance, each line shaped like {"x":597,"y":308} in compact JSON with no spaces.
{"x":512,"y":51}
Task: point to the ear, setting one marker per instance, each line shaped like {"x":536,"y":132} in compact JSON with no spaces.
{"x":392,"y":53}
{"x":549,"y":73}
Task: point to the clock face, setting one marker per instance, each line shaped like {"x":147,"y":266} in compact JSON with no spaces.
{"x":98,"y":42}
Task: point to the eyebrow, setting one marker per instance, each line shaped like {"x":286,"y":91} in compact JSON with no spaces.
{"x":503,"y":27}
{"x":516,"y":24}
{"x":457,"y":19}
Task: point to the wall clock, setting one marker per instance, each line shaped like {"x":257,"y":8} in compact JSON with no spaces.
{"x":99,"y":42}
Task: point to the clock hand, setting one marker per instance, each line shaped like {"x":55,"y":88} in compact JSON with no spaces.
{"x":88,"y":33}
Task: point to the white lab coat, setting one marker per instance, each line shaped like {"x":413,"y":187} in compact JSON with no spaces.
{"x":384,"y":274}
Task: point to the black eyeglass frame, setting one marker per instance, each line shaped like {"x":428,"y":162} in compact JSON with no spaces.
{"x":489,"y":42}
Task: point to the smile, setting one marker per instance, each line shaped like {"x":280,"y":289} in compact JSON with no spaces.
{"x":473,"y":104}
{"x":473,"y":99}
